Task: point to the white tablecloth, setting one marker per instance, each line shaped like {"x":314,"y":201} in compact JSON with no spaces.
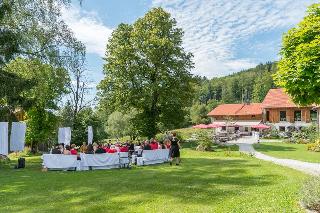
{"x":105,"y":160}
{"x":155,"y":156}
{"x":56,"y":161}
{"x":102,"y":161}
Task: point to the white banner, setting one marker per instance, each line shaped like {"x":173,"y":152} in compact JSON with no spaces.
{"x":64,"y":135}
{"x":18,"y":136}
{"x":90,"y":134}
{"x":4,"y":138}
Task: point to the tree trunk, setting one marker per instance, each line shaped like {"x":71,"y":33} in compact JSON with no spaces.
{"x":153,"y":116}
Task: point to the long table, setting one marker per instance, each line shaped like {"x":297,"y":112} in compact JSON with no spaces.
{"x":101,"y":161}
{"x":59,"y":162}
{"x":155,"y":156}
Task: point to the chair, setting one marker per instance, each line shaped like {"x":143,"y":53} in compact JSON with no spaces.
{"x":124,"y":159}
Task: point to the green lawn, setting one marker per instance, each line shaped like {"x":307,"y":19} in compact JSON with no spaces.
{"x":205,"y":182}
{"x":288,"y":150}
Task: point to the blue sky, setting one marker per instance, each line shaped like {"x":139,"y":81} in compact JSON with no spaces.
{"x":225,"y":36}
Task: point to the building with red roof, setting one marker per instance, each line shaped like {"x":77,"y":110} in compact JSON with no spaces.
{"x":280,"y":110}
{"x":241,"y":116}
{"x":277,"y":108}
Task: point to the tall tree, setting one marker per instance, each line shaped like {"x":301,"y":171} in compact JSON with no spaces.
{"x":299,"y":66}
{"x":78,"y":86}
{"x":33,"y":29}
{"x":147,"y":68}
{"x":49,"y":84}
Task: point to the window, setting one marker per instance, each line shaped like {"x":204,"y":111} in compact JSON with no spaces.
{"x":283,"y":116}
{"x":236,"y":128}
{"x":313,"y":115}
{"x":282,"y":128}
{"x":224,"y":128}
{"x":268,"y":116}
{"x":297,"y":115}
{"x":246,"y":129}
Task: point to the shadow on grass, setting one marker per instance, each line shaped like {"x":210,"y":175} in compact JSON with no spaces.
{"x":196,"y":181}
{"x":272,"y":148}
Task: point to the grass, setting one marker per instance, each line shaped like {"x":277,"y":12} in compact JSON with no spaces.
{"x":205,"y":182}
{"x":289,"y":151}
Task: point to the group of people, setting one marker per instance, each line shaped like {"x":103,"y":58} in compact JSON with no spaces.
{"x":95,"y":148}
{"x":171,"y":143}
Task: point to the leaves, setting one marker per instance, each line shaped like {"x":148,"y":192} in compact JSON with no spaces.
{"x":146,"y":68}
{"x":299,"y":66}
{"x":49,"y":83}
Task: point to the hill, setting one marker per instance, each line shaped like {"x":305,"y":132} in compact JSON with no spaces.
{"x":249,"y":85}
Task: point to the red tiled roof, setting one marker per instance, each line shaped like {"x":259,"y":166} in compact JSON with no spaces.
{"x":250,"y":109}
{"x":236,"y":109}
{"x":277,"y":98}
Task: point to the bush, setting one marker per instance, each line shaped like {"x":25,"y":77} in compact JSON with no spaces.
{"x":314,"y":147}
{"x":205,"y":141}
{"x":204,"y":145}
{"x":4,"y":161}
{"x":305,"y":135}
{"x":310,"y":194}
{"x":311,"y":133}
{"x":271,"y":133}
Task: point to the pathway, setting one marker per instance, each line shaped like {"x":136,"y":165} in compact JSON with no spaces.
{"x":245,"y":145}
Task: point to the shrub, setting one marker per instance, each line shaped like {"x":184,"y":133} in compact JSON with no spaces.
{"x":204,"y":145}
{"x":310,"y":194}
{"x":271,"y":133}
{"x":315,"y":147}
{"x":205,"y":141}
{"x":4,"y":161}
{"x":311,"y":133}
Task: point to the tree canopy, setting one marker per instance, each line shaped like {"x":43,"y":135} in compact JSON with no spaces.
{"x":299,"y":67}
{"x":146,"y":68}
{"x":49,"y":83}
{"x":37,"y":53}
{"x":33,"y":29}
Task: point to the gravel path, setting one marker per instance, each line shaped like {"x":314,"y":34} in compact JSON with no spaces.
{"x":245,"y":145}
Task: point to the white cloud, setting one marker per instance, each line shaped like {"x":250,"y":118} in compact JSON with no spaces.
{"x":88,"y":28}
{"x":214,"y":28}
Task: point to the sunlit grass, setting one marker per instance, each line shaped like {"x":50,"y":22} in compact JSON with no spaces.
{"x":289,"y":151}
{"x":205,"y":182}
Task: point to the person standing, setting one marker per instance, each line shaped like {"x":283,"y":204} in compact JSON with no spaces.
{"x":175,"y":149}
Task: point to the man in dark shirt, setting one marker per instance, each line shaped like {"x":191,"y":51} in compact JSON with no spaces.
{"x":56,"y":150}
{"x":100,"y":150}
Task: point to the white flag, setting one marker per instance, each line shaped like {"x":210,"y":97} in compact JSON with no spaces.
{"x":90,"y":134}
{"x":64,"y":135}
{"x":18,"y":136}
{"x":3,"y":138}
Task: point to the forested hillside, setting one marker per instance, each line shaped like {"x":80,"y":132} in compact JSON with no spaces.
{"x":246,"y":86}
